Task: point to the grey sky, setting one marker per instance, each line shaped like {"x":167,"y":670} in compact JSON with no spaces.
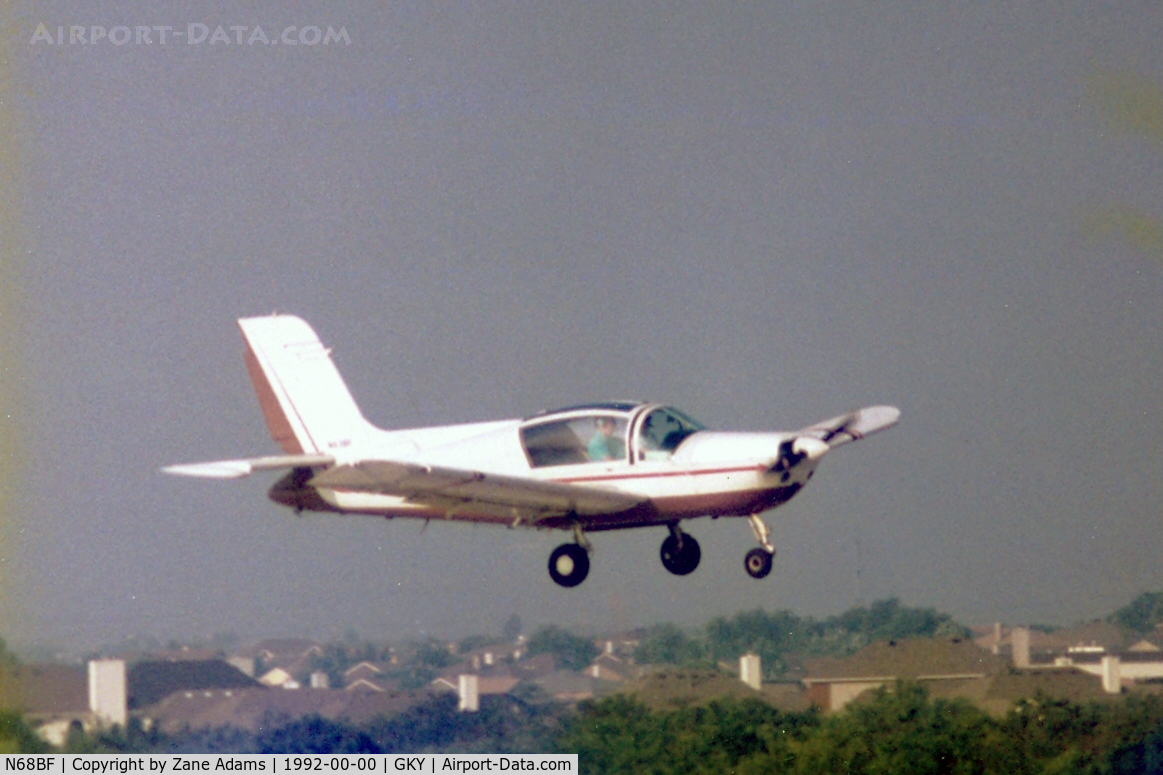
{"x":765,"y":214}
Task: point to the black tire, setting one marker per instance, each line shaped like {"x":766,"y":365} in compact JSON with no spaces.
{"x":757,"y":563}
{"x":680,"y":561}
{"x":569,"y":565}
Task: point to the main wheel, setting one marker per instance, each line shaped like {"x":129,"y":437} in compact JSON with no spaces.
{"x":680,"y":557}
{"x":569,"y":565}
{"x":758,"y":562}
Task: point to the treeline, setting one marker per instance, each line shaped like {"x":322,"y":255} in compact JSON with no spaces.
{"x":782,"y":637}
{"x":503,"y":725}
{"x":417,"y":664}
{"x":899,"y":730}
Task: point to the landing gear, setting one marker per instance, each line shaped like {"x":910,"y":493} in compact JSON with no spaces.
{"x":757,"y":563}
{"x":569,"y":565}
{"x":680,"y":552}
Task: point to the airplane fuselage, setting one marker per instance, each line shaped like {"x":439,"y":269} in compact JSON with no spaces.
{"x":707,"y":473}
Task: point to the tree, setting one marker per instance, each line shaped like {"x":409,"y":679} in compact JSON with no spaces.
{"x":570,"y":651}
{"x":771,"y":636}
{"x":900,"y":730}
{"x":315,"y":734}
{"x":1142,"y":614}
{"x":16,"y":736}
{"x":667,"y":644}
{"x":512,"y":629}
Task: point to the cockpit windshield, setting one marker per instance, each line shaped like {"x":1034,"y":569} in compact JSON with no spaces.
{"x":662,"y":431}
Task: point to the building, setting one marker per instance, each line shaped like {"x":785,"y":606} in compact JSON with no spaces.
{"x":832,"y":683}
{"x":53,"y":698}
{"x":953,"y":668}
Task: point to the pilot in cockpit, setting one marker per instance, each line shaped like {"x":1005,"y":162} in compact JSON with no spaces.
{"x":605,"y":445}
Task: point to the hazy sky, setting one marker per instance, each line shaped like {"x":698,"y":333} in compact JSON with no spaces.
{"x":763,"y":213}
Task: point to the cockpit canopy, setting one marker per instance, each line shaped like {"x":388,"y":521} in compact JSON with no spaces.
{"x":607,"y":432}
{"x":662,"y":430}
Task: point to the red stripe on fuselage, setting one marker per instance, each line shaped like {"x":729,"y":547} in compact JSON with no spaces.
{"x":659,"y":474}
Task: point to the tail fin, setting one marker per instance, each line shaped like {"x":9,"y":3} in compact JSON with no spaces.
{"x":304,"y":400}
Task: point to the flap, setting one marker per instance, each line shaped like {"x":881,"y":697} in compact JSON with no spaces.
{"x":443,"y":487}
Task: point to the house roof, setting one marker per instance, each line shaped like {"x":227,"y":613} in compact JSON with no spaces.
{"x":286,"y":648}
{"x":373,"y":684}
{"x":253,"y":708}
{"x":45,"y":689}
{"x":276,"y":676}
{"x":149,"y":682}
{"x":996,"y":694}
{"x":535,"y":666}
{"x":913,"y":658}
{"x":569,"y":685}
{"x":362,"y":669}
{"x":1111,"y":636}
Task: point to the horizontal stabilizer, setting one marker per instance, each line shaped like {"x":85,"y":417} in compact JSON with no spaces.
{"x":853,"y":426}
{"x":236,"y":469}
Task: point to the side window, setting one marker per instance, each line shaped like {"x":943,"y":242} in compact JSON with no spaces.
{"x":590,"y":439}
{"x":661,"y":433}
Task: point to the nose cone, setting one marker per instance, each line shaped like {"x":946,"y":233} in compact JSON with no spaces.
{"x":798,"y":458}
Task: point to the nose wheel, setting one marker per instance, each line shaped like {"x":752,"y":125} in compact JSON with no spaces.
{"x":758,"y":562}
{"x":680,"y":552}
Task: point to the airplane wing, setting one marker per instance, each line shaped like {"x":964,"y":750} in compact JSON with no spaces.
{"x":235,"y":469}
{"x":528,"y":500}
{"x":853,"y":426}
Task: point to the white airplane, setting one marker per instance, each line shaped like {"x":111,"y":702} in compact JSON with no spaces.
{"x":602,"y":466}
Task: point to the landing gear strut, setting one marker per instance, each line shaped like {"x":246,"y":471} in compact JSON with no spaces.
{"x":680,"y":552}
{"x":758,"y":561}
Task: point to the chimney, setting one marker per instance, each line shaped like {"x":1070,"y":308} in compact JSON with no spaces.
{"x":1020,"y":638}
{"x":469,"y":694}
{"x":1111,"y":674}
{"x":749,"y":671}
{"x":107,"y":691}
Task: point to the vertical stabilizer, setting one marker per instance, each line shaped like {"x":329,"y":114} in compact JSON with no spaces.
{"x":304,"y":400}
